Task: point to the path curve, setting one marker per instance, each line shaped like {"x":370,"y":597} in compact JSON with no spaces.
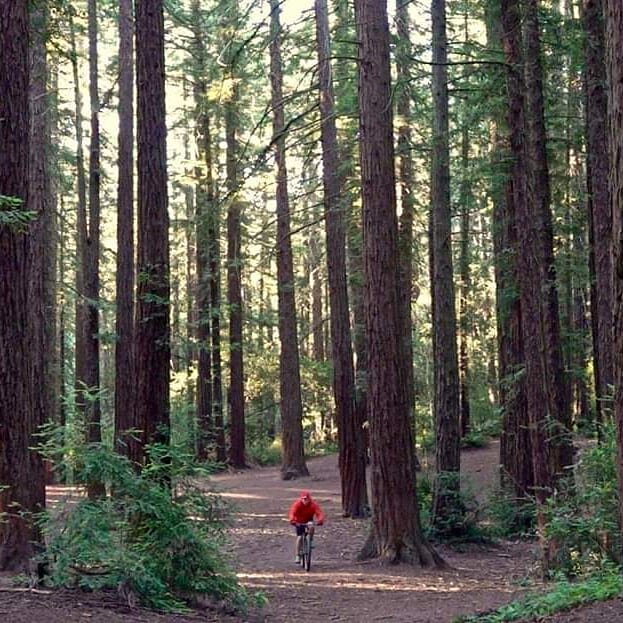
{"x":340,"y":589}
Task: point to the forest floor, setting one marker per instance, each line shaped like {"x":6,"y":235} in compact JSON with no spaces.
{"x":479,"y":578}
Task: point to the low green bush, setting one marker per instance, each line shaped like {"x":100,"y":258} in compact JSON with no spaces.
{"x":565,"y":595}
{"x":157,"y":537}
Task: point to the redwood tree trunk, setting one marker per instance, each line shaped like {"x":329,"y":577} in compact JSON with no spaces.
{"x":614,"y":65}
{"x":124,"y":360}
{"x":352,"y":457}
{"x":91,"y":273}
{"x":554,"y":381}
{"x":234,"y":280}
{"x":396,"y":534}
{"x":21,"y":322}
{"x":599,"y":206}
{"x":446,"y":373}
{"x":528,"y":266}
{"x":293,"y":459}
{"x":152,"y":315}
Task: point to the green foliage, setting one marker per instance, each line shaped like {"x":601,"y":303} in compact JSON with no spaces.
{"x":584,"y":523}
{"x":511,"y":517}
{"x":157,"y":538}
{"x":12,"y":215}
{"x":457,"y":523}
{"x":265,"y":451}
{"x":565,"y":595}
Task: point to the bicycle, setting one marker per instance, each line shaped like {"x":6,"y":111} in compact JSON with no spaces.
{"x":306,"y":546}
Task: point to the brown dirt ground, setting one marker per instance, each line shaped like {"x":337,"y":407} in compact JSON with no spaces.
{"x":338,"y":588}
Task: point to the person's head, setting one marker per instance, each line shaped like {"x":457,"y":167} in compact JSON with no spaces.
{"x":305,"y":497}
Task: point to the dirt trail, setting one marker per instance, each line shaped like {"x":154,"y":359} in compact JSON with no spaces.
{"x":340,"y":589}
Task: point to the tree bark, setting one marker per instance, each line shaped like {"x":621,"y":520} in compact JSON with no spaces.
{"x":614,"y":71}
{"x":293,"y":459}
{"x":406,"y":180}
{"x":352,"y":459}
{"x":21,"y":321}
{"x":124,"y":361}
{"x":446,"y":374}
{"x":554,"y":381}
{"x":599,"y":206}
{"x":237,"y":444}
{"x":91,"y":273}
{"x":152,"y":314}
{"x":396,"y":534}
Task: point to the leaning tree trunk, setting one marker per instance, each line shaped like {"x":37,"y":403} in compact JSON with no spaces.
{"x":293,"y":459}
{"x":21,"y":320}
{"x":396,"y":533}
{"x":352,"y":459}
{"x":446,"y":502}
{"x":152,"y":314}
{"x":124,"y":360}
{"x":599,"y":206}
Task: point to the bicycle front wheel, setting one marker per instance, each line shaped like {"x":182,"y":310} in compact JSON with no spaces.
{"x":307,"y":548}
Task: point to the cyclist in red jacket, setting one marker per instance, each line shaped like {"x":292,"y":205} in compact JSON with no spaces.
{"x":303,"y":511}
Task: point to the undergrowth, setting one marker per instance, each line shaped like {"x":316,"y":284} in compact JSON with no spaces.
{"x":157,"y":537}
{"x":564,"y":595}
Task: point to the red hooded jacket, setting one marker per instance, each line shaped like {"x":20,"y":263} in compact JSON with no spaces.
{"x":302,"y":513}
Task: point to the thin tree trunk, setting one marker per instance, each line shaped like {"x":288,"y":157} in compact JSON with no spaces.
{"x":352,"y":459}
{"x":293,"y":460}
{"x":234,"y":283}
{"x":406,"y":180}
{"x":124,"y":360}
{"x":555,"y":383}
{"x":91,"y":273}
{"x":599,"y":206}
{"x":528,"y":267}
{"x":446,"y":378}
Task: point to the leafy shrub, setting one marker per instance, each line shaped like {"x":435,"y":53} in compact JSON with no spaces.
{"x":511,"y":517}
{"x":606,"y":584}
{"x":584,"y":523}
{"x":157,"y":538}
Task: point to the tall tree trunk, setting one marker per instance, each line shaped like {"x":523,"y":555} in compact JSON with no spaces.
{"x":396,"y":534}
{"x":21,"y":320}
{"x":152,"y":314}
{"x":465,"y":277}
{"x":293,"y":460}
{"x":406,"y":180}
{"x":614,"y":72}
{"x":446,"y":377}
{"x":515,"y":447}
{"x":599,"y":206}
{"x":42,"y":200}
{"x":81,"y":356}
{"x":528,"y":268}
{"x":234,"y":283}
{"x":124,"y":360}
{"x":555,"y":383}
{"x":344,"y":87}
{"x":91,"y":273}
{"x":352,"y":459}
{"x":204,"y":202}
